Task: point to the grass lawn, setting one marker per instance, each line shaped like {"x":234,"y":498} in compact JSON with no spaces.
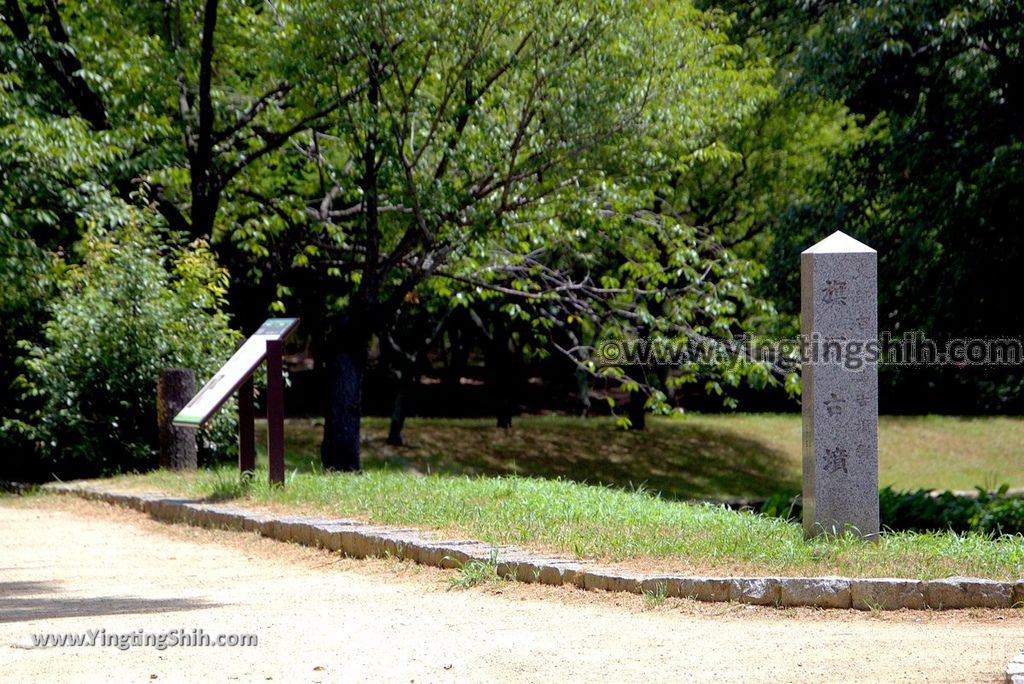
{"x":640,"y":529}
{"x":525,"y":486}
{"x":695,"y":457}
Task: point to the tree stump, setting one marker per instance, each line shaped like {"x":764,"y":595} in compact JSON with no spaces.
{"x":175,"y":388}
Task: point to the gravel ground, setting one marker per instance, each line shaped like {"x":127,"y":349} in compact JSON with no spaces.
{"x":69,"y":566}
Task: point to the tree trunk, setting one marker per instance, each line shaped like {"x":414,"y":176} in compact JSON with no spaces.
{"x":206,"y":198}
{"x":175,"y":387}
{"x":349,"y":337}
{"x":582,"y":393}
{"x":501,"y":360}
{"x":637,"y":411}
{"x":456,"y":361}
{"x":346,"y":365}
{"x":398,"y":413}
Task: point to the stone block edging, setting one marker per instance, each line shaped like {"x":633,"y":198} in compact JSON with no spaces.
{"x":1015,"y":670}
{"x":361,"y":540}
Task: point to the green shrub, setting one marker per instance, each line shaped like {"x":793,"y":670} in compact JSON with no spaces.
{"x":130,"y":309}
{"x":922,"y":510}
{"x":999,"y":513}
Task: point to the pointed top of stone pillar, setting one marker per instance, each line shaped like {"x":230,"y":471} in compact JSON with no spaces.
{"x":838,"y":243}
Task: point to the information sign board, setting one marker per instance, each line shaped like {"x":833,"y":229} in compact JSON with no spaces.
{"x":233,"y":373}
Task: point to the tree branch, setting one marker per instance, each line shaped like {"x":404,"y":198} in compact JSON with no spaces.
{"x":278,"y":93}
{"x":274,"y":140}
{"x":66,"y":68}
{"x":206,"y":114}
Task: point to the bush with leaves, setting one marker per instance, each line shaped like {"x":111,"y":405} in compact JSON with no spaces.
{"x":130,"y":309}
{"x":990,"y":512}
{"x":922,"y":510}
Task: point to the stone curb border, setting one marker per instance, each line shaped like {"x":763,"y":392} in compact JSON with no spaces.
{"x":360,"y":540}
{"x":1015,"y":670}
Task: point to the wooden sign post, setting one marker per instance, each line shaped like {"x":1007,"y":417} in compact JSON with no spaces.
{"x":236,"y":375}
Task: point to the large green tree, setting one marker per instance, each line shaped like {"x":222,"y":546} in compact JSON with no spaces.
{"x":348,"y":154}
{"x":492,"y":142}
{"x":933,"y":179}
{"x":189,"y":101}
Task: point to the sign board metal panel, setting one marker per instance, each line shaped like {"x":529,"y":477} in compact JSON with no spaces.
{"x":233,"y":373}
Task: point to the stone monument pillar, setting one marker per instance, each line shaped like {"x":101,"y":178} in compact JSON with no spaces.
{"x":840,"y":350}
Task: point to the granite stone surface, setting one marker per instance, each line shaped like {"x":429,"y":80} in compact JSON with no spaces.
{"x":882,"y":593}
{"x":968,"y":592}
{"x":1015,"y":670}
{"x":822,"y":592}
{"x":839,"y":330}
{"x":361,"y":540}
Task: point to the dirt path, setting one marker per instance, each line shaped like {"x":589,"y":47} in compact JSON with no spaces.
{"x":72,"y":566}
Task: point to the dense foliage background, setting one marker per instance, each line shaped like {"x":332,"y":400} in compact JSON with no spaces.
{"x":487,"y":190}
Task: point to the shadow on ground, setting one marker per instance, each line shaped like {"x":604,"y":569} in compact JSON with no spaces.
{"x":27,"y":601}
{"x":695,"y":463}
{"x":678,"y":459}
